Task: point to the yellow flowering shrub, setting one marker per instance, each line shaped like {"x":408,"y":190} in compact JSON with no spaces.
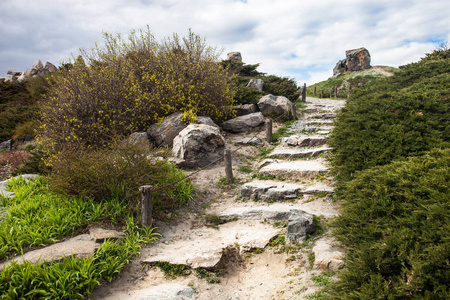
{"x":127,"y":85}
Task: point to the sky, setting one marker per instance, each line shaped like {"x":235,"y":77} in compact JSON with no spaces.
{"x":298,"y":39}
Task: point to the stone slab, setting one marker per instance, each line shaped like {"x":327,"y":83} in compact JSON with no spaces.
{"x":327,"y":256}
{"x":270,"y":190}
{"x":299,"y":169}
{"x":166,"y":291}
{"x":80,"y":246}
{"x":304,"y":140}
{"x":99,"y":235}
{"x":270,"y":213}
{"x":205,"y":247}
{"x":287,"y":152}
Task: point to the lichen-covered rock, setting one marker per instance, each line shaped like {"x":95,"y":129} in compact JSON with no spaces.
{"x":300,"y":226}
{"x":244,"y":123}
{"x":235,"y":56}
{"x":245,"y":109}
{"x":357,"y":59}
{"x":198,"y":145}
{"x":164,"y":133}
{"x":274,"y":106}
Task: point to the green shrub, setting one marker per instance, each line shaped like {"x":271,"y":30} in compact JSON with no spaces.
{"x":119,"y":172}
{"x":16,"y":107}
{"x":399,"y":116}
{"x":128,"y":85}
{"x":395,"y":223}
{"x":281,"y":86}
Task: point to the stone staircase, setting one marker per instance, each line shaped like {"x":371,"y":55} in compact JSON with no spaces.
{"x":248,"y":225}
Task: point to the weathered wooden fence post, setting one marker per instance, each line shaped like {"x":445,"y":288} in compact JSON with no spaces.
{"x":147,"y":204}
{"x":321,"y":93}
{"x":294,"y":111}
{"x":228,"y":166}
{"x":335,"y":91}
{"x":269,"y":130}
{"x":349,"y":89}
{"x":315,"y":90}
{"x":331,"y":92}
{"x":304,"y":93}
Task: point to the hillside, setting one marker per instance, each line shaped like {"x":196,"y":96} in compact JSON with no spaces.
{"x":343,"y":81}
{"x":391,"y":156}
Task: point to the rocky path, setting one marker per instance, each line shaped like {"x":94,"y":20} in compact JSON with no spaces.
{"x":248,"y":240}
{"x":234,"y":240}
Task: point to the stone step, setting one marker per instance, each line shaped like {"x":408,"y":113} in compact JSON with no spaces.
{"x":81,"y":246}
{"x":304,"y":140}
{"x":322,"y":116}
{"x":299,"y":169}
{"x":205,"y":246}
{"x":267,"y":190}
{"x":270,"y":190}
{"x":289,"y":152}
{"x":319,"y":122}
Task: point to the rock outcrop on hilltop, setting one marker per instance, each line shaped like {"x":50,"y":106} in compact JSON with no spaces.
{"x":38,"y":68}
{"x":355,"y":60}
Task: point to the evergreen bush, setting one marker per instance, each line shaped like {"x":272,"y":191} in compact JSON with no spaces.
{"x":395,"y":222}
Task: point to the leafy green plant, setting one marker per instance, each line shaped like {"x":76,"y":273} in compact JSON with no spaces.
{"x":282,"y":131}
{"x":210,"y":277}
{"x":73,"y":278}
{"x":246,"y":169}
{"x":36,"y":216}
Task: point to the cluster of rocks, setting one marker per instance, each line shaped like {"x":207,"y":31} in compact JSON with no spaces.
{"x":355,"y":60}
{"x":37,"y":69}
{"x":198,"y":145}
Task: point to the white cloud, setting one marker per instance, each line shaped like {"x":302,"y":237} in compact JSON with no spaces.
{"x":292,"y":38}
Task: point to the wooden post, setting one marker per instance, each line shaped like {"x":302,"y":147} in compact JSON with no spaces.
{"x":269,"y":130}
{"x":304,"y":93}
{"x":349,"y":89}
{"x":331,"y":92}
{"x":335,"y":91}
{"x":321,"y":93}
{"x":147,"y":204}
{"x":228,"y":166}
{"x":315,"y":90}
{"x":294,"y":111}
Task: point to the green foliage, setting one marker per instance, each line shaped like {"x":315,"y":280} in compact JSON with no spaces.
{"x":25,"y":129}
{"x":128,"y":85}
{"x":119,"y":172}
{"x":74,"y":278}
{"x":399,"y":116}
{"x":172,"y":270}
{"x":275,"y":85}
{"x":282,"y":131}
{"x":281,"y":86}
{"x":34,"y":164}
{"x":208,"y":276}
{"x":17,"y":106}
{"x":35,"y":216}
{"x":395,"y":223}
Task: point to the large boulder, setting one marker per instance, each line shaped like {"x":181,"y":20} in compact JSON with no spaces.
{"x":357,"y":59}
{"x":340,"y":68}
{"x":244,"y":123}
{"x":164,"y":133}
{"x":234,"y":56}
{"x":245,"y":109}
{"x":274,"y":106}
{"x":256,"y":84}
{"x":300,"y":226}
{"x":198,"y":145}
